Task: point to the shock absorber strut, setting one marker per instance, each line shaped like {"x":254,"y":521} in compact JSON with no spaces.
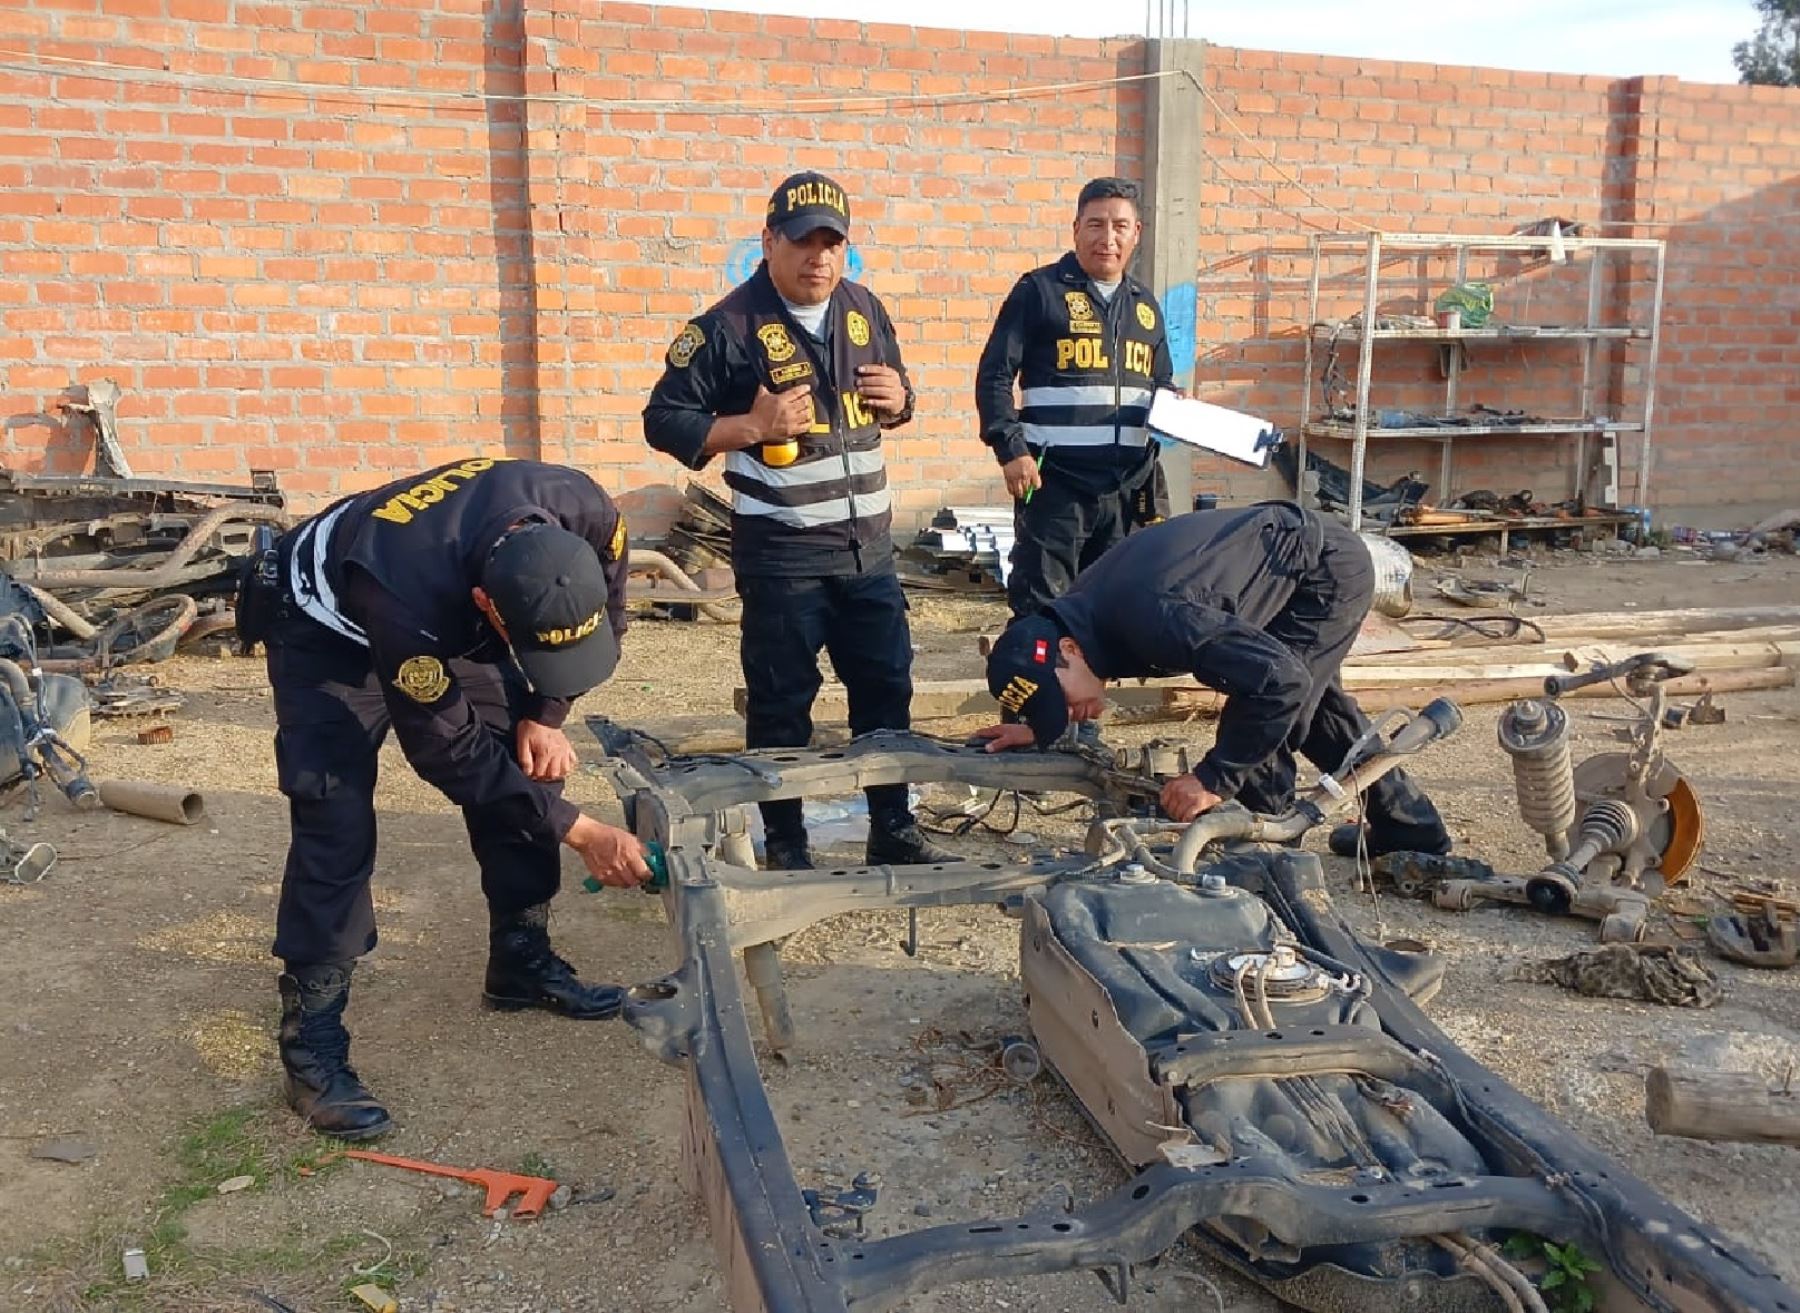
{"x":1535,"y":734}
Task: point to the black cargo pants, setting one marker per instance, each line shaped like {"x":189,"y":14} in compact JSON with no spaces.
{"x":1065,"y":528}
{"x":860,"y":621}
{"x":1318,"y":625}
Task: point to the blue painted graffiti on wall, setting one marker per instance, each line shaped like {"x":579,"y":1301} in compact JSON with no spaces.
{"x":1180,"y":310}
{"x":746,"y":254}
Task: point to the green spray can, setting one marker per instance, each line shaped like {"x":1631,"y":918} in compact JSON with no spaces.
{"x":658,"y":862}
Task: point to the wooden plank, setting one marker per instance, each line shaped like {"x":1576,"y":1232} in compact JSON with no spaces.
{"x":949,"y":698}
{"x":1380,"y":635}
{"x":1559,"y":645}
{"x":1629,"y":624}
{"x":946,"y":698}
{"x":1479,"y":692}
{"x":1449,"y":667}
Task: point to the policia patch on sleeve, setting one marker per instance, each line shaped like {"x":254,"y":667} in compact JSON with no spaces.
{"x":616,"y":548}
{"x":422,"y":679}
{"x":688,"y":341}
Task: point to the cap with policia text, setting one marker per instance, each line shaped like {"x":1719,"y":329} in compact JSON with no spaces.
{"x":1021,"y":671}
{"x":550,"y":590}
{"x":807,"y":201}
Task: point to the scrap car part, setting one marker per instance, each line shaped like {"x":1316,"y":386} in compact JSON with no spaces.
{"x":1389,"y":1156}
{"x":681,"y":590}
{"x":172,"y":569}
{"x":1534,"y":733}
{"x":45,"y":721}
{"x":99,"y":401}
{"x":1618,"y":828}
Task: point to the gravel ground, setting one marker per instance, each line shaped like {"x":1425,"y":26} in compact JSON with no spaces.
{"x":140,"y":997}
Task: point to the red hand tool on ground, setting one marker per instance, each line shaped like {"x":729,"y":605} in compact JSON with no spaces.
{"x":533,"y":1191}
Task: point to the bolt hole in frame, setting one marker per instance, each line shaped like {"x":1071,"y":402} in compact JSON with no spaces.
{"x":1349,"y":1157}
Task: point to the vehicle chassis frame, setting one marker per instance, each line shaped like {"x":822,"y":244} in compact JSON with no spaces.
{"x":774,"y":1255}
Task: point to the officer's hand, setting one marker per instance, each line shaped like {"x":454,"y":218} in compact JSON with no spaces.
{"x":781,"y":414}
{"x":1002,"y":737}
{"x":881,"y":387}
{"x":612,"y":856}
{"x":1184,"y":798}
{"x":545,"y":754}
{"x":1021,"y":476}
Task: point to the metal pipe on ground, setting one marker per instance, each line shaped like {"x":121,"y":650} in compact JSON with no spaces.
{"x":158,"y":802}
{"x":64,"y":615}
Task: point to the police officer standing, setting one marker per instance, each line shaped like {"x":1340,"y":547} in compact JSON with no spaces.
{"x":792,"y":378}
{"x":464,"y":608}
{"x":1086,"y":344}
{"x":1261,"y":603}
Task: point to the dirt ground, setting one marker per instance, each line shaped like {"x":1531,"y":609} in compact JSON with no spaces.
{"x":137,"y":1002}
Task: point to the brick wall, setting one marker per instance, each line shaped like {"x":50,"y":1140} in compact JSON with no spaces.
{"x":394,"y":258}
{"x":1306,"y":145}
{"x":351,"y":283}
{"x":1720,"y":180}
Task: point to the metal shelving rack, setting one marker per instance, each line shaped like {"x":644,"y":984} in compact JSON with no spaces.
{"x":1588,"y":335}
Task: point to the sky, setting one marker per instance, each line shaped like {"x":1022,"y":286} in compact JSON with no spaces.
{"x":1690,"y":39}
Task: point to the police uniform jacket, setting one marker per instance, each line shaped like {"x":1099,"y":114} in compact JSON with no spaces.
{"x":1191,"y":596}
{"x":828,"y":513}
{"x":1086,"y":369}
{"x":392,"y":570}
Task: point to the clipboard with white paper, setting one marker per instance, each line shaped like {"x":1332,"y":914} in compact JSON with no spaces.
{"x":1213,"y":428}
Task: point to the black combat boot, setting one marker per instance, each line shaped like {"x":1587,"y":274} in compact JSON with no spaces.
{"x":784,"y":835}
{"x":523,"y":971}
{"x":1343,"y":840}
{"x":315,"y":1052}
{"x":786,"y":852}
{"x":897,"y":840}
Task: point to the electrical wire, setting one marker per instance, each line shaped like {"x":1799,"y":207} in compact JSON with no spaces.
{"x":236,"y":84}
{"x":32,"y":62}
{"x":1496,"y":628}
{"x":1271,"y":161}
{"x":1486,"y":1262}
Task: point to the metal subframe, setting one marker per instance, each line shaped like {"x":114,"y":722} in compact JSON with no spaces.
{"x":1589,"y":335}
{"x":777,"y":1255}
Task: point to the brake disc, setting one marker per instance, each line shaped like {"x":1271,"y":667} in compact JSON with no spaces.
{"x":1671,"y":825}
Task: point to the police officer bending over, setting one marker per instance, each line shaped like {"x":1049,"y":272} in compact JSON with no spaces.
{"x":792,"y":378}
{"x":1261,"y":603}
{"x":1087,"y":344}
{"x":464,"y":607}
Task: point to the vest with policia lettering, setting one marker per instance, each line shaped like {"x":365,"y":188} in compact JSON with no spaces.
{"x":1087,"y":370}
{"x":827,"y":513}
{"x":425,"y":539}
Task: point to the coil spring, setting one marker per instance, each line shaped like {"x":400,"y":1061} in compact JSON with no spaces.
{"x":1535,"y":734}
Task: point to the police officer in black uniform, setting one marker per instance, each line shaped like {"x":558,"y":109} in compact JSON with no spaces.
{"x":792,"y":378}
{"x":1087,"y":346}
{"x":1261,"y":603}
{"x":464,"y":608}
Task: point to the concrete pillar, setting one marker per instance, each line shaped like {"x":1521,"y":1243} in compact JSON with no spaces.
{"x":556,"y":281}
{"x":1170,"y":256}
